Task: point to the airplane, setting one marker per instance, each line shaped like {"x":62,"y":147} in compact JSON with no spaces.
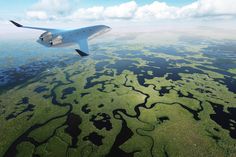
{"x":61,"y":38}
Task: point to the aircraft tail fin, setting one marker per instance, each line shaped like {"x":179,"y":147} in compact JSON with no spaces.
{"x":81,"y":53}
{"x":84,"y":49}
{"x":16,"y":24}
{"x":83,"y":44}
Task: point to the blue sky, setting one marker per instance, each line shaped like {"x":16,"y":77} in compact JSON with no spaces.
{"x":13,"y":7}
{"x":16,"y":5}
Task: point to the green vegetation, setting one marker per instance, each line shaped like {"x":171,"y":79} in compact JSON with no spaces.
{"x":134,"y":110}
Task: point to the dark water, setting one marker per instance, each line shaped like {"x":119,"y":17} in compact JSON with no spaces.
{"x":163,"y":119}
{"x":41,"y":89}
{"x":223,"y":57}
{"x":86,"y":109}
{"x":222,"y":53}
{"x":20,"y":108}
{"x":229,"y":82}
{"x":100,"y":66}
{"x":228,"y":79}
{"x":94,"y":138}
{"x":158,"y":66}
{"x":101,"y":120}
{"x":11,"y":77}
{"x":167,"y":50}
{"x":227,"y":120}
{"x":67,"y":91}
{"x":124,"y":135}
{"x":164,"y":90}
{"x":83,"y":94}
{"x":73,"y":121}
{"x":101,"y":106}
{"x":161,"y":67}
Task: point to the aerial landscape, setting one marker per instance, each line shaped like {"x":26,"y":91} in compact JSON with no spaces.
{"x":162,"y":90}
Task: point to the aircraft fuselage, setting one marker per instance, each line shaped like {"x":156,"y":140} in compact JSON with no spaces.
{"x":70,"y":37}
{"x":59,"y":38}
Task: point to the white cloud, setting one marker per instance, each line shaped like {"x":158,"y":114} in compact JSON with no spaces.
{"x":207,"y":8}
{"x":156,"y":10}
{"x":51,"y":9}
{"x":216,"y":7}
{"x":89,"y":14}
{"x":55,"y":6}
{"x":40,"y":15}
{"x":123,"y":11}
{"x":187,"y":11}
{"x":131,"y":11}
{"x":199,"y":8}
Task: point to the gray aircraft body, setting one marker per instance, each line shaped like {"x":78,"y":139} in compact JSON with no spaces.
{"x":60,"y":38}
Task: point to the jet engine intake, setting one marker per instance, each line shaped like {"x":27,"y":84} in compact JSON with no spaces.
{"x":46,"y":36}
{"x":56,"y":41}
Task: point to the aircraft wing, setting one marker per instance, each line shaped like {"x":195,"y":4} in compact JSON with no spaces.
{"x":38,"y":28}
{"x":84,"y":49}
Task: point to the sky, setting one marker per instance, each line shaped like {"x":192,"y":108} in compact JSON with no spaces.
{"x":121,"y":13}
{"x":14,"y":8}
{"x":9,"y":5}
